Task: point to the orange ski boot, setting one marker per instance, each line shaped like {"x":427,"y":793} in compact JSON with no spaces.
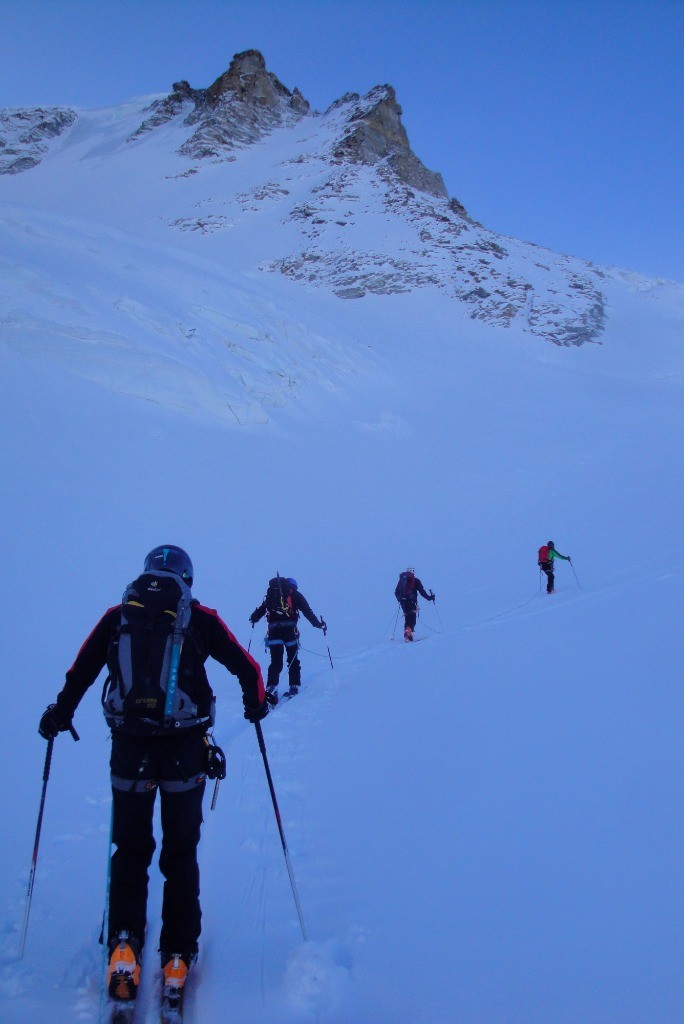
{"x":123,"y":973}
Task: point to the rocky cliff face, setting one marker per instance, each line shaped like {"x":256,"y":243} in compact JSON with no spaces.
{"x":25,"y":135}
{"x":376,"y":136}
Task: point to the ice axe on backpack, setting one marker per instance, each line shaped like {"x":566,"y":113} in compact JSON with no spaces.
{"x":216,"y":765}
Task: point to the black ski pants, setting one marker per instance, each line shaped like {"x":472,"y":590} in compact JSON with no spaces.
{"x":174,"y":765}
{"x":410,"y":611}
{"x":281,"y":643}
{"x":547,"y":567}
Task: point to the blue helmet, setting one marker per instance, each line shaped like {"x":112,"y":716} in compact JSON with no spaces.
{"x":169,"y":558}
{"x":293,"y":583}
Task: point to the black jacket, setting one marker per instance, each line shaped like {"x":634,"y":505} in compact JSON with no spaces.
{"x":410,"y":601}
{"x":208,"y":637}
{"x":298,"y":604}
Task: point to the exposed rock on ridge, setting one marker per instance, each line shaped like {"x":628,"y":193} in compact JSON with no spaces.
{"x":376,"y":134}
{"x":248,"y":80}
{"x":247,"y":102}
{"x":25,"y":134}
{"x":240,"y":107}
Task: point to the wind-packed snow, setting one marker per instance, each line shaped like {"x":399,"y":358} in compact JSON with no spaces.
{"x":484,"y":827}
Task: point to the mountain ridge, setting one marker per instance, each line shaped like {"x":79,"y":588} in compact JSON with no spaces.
{"x":336,"y":201}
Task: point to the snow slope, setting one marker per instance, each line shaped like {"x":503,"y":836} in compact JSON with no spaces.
{"x":484,"y":826}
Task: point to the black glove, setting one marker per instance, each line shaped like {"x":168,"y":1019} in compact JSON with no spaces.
{"x":432,"y":596}
{"x":252,"y":619}
{"x":254,"y":713}
{"x":323,"y":627}
{"x":52,"y":723}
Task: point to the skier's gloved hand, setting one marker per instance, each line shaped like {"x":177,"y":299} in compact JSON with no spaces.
{"x":51,"y":723}
{"x":255,"y":712}
{"x":432,"y":596}
{"x":324,"y":627}
{"x":252,"y":619}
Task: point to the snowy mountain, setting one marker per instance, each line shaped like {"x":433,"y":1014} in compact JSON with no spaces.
{"x":335,"y":200}
{"x":268,"y":335}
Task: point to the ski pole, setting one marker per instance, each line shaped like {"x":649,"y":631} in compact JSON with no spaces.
{"x":327,"y":645}
{"x":434,"y":605}
{"x":34,"y":859}
{"x":394,"y":627}
{"x":250,"y":639}
{"x":262,"y":748}
{"x":104,"y":936}
{"x":573,"y":569}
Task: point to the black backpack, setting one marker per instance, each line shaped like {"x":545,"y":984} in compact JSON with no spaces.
{"x":279,"y":606}
{"x":406,"y":586}
{"x":143,"y":691}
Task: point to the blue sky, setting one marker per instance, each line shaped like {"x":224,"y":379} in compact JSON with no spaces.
{"x":555,"y":122}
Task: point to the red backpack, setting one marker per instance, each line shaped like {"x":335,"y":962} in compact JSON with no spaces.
{"x":544,"y":552}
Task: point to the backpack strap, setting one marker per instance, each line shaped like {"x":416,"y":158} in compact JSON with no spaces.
{"x":180,"y":627}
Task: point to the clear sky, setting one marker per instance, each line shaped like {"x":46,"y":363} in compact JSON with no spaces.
{"x":556,"y":122}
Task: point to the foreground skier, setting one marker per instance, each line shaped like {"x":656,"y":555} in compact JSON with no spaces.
{"x":159,"y":705}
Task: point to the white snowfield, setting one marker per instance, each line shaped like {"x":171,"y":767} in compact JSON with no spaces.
{"x":485,"y":826}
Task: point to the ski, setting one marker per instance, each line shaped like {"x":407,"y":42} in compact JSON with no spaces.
{"x":171,"y":1005}
{"x":288,"y":695}
{"x":123,"y":1012}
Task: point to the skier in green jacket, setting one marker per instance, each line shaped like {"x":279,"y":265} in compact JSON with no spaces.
{"x":547,"y":554}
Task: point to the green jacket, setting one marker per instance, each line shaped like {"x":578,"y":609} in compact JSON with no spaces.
{"x":556,"y":554}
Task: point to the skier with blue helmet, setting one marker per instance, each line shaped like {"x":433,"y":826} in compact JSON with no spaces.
{"x":159,"y":705}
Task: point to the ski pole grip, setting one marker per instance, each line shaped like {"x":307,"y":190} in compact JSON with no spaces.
{"x":74,"y":733}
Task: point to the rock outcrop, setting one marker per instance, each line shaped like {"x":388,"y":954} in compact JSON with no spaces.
{"x":376,"y":135}
{"x":244,"y":103}
{"x":25,"y":134}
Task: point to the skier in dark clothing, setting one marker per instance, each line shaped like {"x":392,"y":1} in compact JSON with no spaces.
{"x":406,"y":593}
{"x":545,"y":559}
{"x":157,"y":743}
{"x":281,"y":606}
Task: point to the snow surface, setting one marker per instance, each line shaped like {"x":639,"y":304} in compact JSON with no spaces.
{"x":484,"y":827}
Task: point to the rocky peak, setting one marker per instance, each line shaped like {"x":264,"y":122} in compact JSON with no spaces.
{"x":376,"y":135}
{"x":241,"y":106}
{"x":248,"y":80}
